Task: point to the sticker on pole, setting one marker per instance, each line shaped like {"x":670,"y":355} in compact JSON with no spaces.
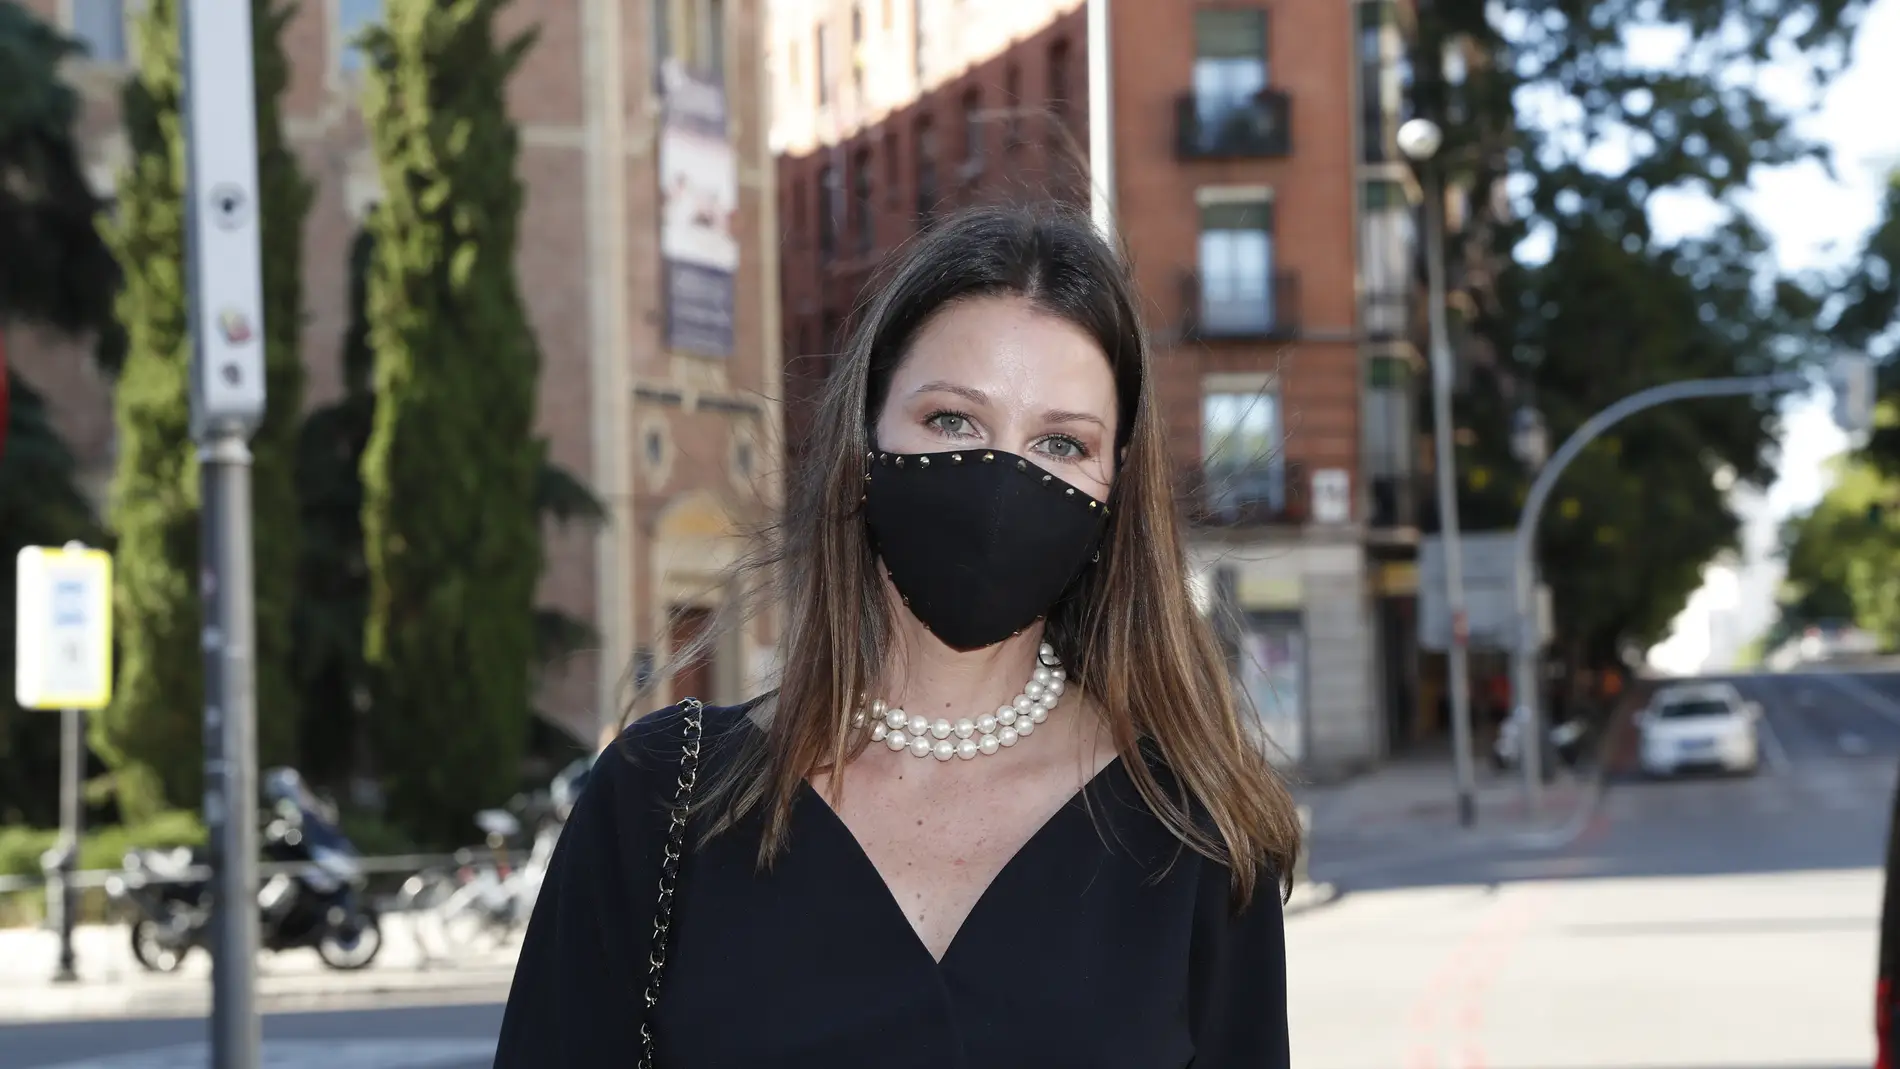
{"x":63,"y":628}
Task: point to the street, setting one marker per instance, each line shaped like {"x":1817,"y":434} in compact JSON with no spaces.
{"x":1704,"y":923}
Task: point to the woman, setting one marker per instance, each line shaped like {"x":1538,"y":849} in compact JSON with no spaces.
{"x":1002,"y":809}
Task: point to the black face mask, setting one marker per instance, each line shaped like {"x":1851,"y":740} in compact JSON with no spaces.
{"x":979,"y":542}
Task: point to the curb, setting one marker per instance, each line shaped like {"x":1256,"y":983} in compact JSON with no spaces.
{"x":489,"y":985}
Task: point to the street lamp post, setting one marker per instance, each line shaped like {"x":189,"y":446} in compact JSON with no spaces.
{"x":1420,"y":139}
{"x":1524,"y":540}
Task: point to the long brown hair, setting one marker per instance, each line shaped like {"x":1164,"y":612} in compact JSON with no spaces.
{"x":1129,"y":632}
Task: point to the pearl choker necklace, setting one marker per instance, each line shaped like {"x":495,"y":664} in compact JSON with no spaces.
{"x":967,"y":737}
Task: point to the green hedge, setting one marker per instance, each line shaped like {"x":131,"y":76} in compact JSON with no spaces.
{"x":104,"y":847}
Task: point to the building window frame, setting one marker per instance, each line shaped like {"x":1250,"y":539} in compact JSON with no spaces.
{"x":863,"y":205}
{"x":1243,"y":464}
{"x":1237,"y":261}
{"x":1232,"y":63}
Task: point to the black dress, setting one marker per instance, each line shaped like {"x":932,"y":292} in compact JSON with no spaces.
{"x":1100,"y":945}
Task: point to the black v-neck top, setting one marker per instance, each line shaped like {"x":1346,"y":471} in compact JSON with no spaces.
{"x":1102,"y":944}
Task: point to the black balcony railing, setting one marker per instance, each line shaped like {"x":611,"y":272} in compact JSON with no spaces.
{"x":1268,"y":494}
{"x":1213,"y":310}
{"x":1256,"y":128}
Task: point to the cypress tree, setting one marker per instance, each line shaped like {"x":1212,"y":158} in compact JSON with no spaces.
{"x":153,"y":734}
{"x":449,"y":474}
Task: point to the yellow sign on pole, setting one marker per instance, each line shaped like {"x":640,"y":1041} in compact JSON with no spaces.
{"x":63,"y":628}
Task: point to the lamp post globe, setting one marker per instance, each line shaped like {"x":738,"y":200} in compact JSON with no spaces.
{"x":1420,"y":139}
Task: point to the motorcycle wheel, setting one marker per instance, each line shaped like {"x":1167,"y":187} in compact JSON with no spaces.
{"x":151,"y":950}
{"x":352,"y":946}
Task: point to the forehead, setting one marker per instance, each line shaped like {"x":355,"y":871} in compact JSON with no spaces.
{"x":1010,"y":349}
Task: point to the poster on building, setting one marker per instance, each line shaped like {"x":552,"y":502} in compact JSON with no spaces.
{"x":1272,"y":670}
{"x":699,"y":204}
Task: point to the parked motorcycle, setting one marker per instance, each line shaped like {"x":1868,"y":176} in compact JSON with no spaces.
{"x":1566,"y":740}
{"x":319,"y":903}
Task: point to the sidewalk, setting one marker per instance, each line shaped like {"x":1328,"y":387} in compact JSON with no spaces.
{"x":1416,"y":797}
{"x":112,"y":984}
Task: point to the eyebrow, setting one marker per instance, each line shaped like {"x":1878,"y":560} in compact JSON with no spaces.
{"x":978,"y":397}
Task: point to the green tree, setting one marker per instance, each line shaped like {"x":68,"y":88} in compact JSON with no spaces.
{"x":152,"y":733}
{"x":449,"y":474}
{"x":1613,"y":308}
{"x":55,"y":273}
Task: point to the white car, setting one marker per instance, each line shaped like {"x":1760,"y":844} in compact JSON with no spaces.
{"x":1704,"y":725}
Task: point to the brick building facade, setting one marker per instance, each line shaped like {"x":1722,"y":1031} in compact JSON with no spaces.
{"x":681,"y":445}
{"x":1270,"y":232}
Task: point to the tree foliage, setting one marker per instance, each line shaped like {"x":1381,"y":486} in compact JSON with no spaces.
{"x":450,"y":470}
{"x":152,"y":733}
{"x":1843,"y":556}
{"x":1588,"y":131}
{"x":56,"y":273}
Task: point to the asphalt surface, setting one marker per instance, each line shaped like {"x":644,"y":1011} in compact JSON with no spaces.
{"x":1702,"y":922}
{"x":415,"y":1037}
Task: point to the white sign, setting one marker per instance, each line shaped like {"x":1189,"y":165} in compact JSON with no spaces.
{"x":221,"y":232}
{"x":63,"y":628}
{"x":1332,"y":496}
{"x":1490,"y":601}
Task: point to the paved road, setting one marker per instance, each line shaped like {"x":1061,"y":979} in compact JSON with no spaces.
{"x":1703,"y":923}
{"x":422,"y":1037}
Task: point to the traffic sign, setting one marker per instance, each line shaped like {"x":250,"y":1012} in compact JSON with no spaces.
{"x":221,"y":232}
{"x":63,"y":629}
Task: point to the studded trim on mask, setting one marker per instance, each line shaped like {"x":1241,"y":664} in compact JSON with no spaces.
{"x":918,"y":463}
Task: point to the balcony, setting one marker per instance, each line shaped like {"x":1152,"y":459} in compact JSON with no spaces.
{"x":1259,"y":128}
{"x":1269,"y":313}
{"x":1386,"y":315}
{"x":1269,"y":494}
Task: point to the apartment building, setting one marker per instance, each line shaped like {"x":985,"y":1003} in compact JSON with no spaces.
{"x":1269,"y":223}
{"x":647,"y":259}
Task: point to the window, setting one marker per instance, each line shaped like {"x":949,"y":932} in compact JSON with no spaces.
{"x":893,"y":180}
{"x":1059,"y":80}
{"x":100,"y":27}
{"x":827,"y":215}
{"x":857,"y":52}
{"x":1241,"y":461}
{"x":352,"y":18}
{"x":821,"y":66}
{"x":973,"y":130}
{"x":926,"y":170}
{"x":1388,"y":418}
{"x":861,"y":206}
{"x":1384,"y":81}
{"x":1013,"y":100}
{"x":693,"y":32}
{"x":1230,"y":63}
{"x":1237,"y":268}
{"x":918,"y":38}
{"x":1387,"y":237}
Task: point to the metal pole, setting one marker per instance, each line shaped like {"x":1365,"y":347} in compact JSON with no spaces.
{"x":1442,"y":372}
{"x":72,"y":809}
{"x":225,"y":307}
{"x":1101,"y":122}
{"x":230,"y":748}
{"x":1524,"y":540}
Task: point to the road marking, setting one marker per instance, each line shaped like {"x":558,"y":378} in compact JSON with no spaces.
{"x":1773,"y":753}
{"x":1868,"y":696}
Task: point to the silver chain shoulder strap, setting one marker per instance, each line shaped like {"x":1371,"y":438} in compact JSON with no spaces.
{"x":670,"y":870}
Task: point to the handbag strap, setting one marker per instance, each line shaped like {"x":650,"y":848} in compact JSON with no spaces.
{"x":670,"y":870}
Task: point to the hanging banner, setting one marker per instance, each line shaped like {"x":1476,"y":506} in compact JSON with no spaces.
{"x":699,"y":205}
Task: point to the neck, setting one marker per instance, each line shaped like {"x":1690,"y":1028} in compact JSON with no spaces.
{"x":925,"y":676}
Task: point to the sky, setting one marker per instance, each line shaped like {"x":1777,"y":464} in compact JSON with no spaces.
{"x":1815,"y":221}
